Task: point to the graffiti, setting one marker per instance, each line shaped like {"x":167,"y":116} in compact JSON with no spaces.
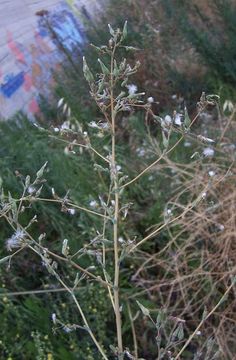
{"x":28,"y":83}
{"x":62,"y":27}
{"x":12,"y":84}
{"x":16,"y":48}
{"x":33,"y":106}
{"x":30,"y":73}
{"x":27,"y":66}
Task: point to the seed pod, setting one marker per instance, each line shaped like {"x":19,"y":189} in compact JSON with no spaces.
{"x":87,"y":73}
{"x":112,"y":32}
{"x":124,"y":32}
{"x":187,"y":120}
{"x":39,"y":174}
{"x":105,"y":70}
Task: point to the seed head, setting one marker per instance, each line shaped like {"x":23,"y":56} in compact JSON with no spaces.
{"x":16,"y":240}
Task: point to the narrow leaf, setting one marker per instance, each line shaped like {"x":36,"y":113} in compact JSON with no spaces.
{"x":187,"y":120}
{"x":165,"y":140}
{"x":27,"y":181}
{"x":112,"y":32}
{"x":144,"y":310}
{"x":105,"y":70}
{"x":65,"y":248}
{"x":87,"y":73}
{"x":125,"y":30}
{"x":39,"y":174}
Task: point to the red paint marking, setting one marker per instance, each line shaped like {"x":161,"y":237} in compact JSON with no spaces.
{"x":28,"y":83}
{"x":15,"y":48}
{"x":33,"y":106}
{"x":45,"y":48}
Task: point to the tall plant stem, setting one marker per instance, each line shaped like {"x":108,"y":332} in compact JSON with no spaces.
{"x":116,"y":215}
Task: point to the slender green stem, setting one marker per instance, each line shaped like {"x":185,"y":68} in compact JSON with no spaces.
{"x":88,"y":147}
{"x":133,"y":331}
{"x":104,"y":253}
{"x":60,"y":201}
{"x":35,"y":292}
{"x":116,"y":215}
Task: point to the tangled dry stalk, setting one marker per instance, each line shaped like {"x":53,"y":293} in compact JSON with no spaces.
{"x":191,"y":277}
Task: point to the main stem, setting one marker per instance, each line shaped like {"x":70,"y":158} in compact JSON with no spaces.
{"x":116,"y":217}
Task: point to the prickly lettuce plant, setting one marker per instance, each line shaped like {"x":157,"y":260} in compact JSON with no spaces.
{"x":115,"y":95}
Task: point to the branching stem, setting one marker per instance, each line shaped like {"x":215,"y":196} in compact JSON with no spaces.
{"x":116,"y":213}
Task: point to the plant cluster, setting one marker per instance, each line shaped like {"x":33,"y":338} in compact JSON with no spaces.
{"x":155,"y":278}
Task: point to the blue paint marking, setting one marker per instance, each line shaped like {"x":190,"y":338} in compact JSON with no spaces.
{"x":12,"y":84}
{"x":43,"y":32}
{"x":66,"y":28}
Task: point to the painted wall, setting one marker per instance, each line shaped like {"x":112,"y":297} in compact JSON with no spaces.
{"x":27,"y":52}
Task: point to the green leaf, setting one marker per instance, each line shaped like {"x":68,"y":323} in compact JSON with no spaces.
{"x":205,"y":313}
{"x":105,"y":70}
{"x":116,"y":69}
{"x":130,"y":48}
{"x":13,"y":206}
{"x":107,"y":276}
{"x":144,"y":310}
{"x":113,"y":349}
{"x":100,"y":168}
{"x":65,"y":248}
{"x":178,"y":333}
{"x":181,"y":332}
{"x":38,"y":192}
{"x":124,"y":83}
{"x":125,"y":30}
{"x":158,"y":119}
{"x":77,"y":279}
{"x":87,"y":73}
{"x":123,"y":254}
{"x":187,"y":120}
{"x":161,"y":318}
{"x":121,"y":95}
{"x":165,"y":140}
{"x":27,"y":181}
{"x":112,"y":32}
{"x":39,"y":173}
{"x":101,"y":85}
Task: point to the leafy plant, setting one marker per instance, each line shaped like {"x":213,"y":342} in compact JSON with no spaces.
{"x":100,"y":252}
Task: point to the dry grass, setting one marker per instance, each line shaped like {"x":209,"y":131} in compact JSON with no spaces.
{"x":190,"y":273}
